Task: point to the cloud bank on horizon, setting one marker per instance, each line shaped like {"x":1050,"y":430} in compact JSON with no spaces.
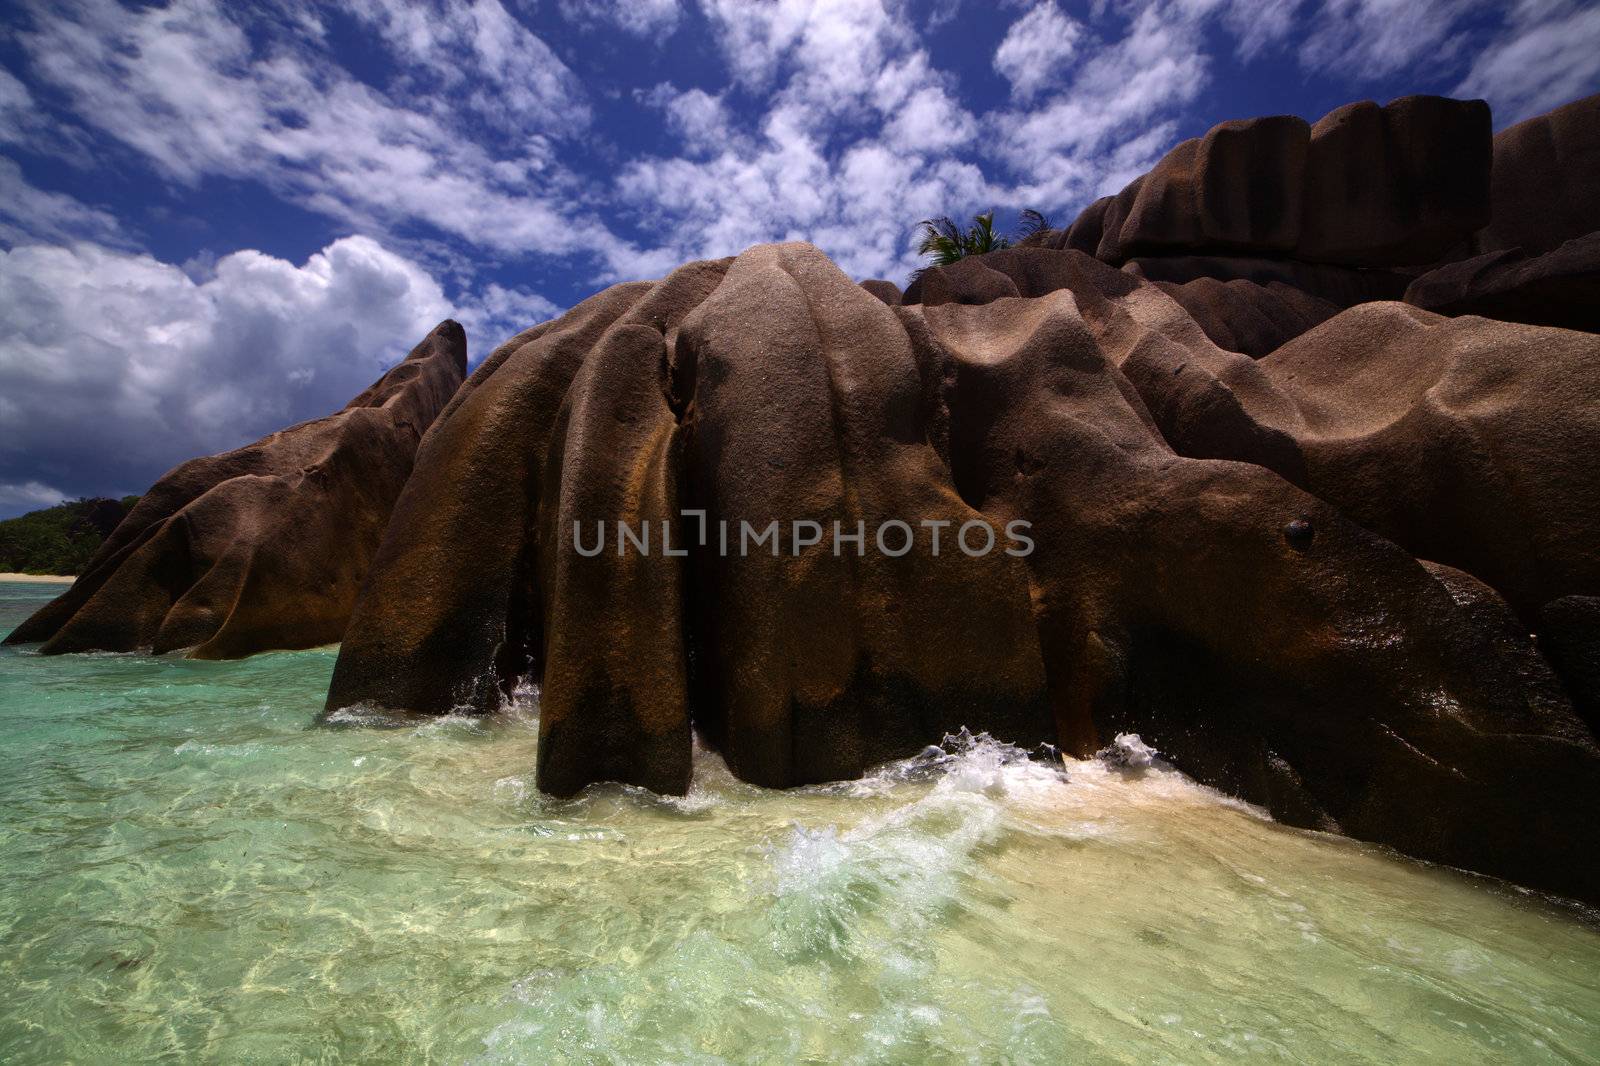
{"x":217,"y":219}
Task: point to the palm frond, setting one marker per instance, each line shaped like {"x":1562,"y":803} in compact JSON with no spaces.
{"x":1031,"y":223}
{"x":946,"y":242}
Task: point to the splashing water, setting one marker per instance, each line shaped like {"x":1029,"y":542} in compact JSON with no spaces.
{"x":195,"y":871}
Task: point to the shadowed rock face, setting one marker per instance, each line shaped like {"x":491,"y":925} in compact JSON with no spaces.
{"x":1405,"y":183}
{"x":1546,"y":184}
{"x":1488,"y":426}
{"x":263,"y":547}
{"x":1258,"y":615}
{"x":773,"y":389}
{"x":1241,"y":316}
{"x":1559,"y":288}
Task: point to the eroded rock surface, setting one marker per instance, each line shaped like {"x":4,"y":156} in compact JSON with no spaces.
{"x":1220,"y":561}
{"x":1545,"y":189}
{"x":265,"y":546}
{"x":1559,"y":288}
{"x":1405,"y":183}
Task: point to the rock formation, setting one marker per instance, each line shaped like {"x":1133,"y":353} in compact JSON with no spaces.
{"x":1221,"y":560}
{"x":1558,"y":288}
{"x":1545,"y":188}
{"x":262,"y":547}
{"x":1366,"y":185}
{"x":1275,"y":457}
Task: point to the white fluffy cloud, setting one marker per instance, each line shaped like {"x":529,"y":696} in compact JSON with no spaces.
{"x":700,"y":119}
{"x":1548,"y":54}
{"x":186,"y":86}
{"x":1116,"y":115}
{"x":1037,"y":50}
{"x":477,"y":52}
{"x":116,"y":366}
{"x":855,"y":144}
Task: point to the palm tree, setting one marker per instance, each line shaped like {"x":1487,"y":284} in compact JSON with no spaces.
{"x":947,"y":242}
{"x":1031,"y":223}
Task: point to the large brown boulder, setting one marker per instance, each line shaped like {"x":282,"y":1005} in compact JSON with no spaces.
{"x":773,"y":390}
{"x":1236,"y":189}
{"x":1407,"y":183}
{"x":1238,"y":314}
{"x":1467,"y":441}
{"x":265,"y":546}
{"x":1268,"y":644}
{"x":887,"y":291}
{"x":1402,"y":184}
{"x":1545,"y":189}
{"x":1241,"y":316}
{"x":1340,"y":286}
{"x":1559,"y":288}
{"x":1569,"y":636}
{"x":1268,"y":638}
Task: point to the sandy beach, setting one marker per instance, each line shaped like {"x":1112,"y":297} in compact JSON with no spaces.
{"x":40,"y":579}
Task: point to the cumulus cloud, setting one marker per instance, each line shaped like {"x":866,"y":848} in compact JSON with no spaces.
{"x":855,"y":143}
{"x":1548,"y":54}
{"x":1037,"y":50}
{"x":700,"y":119}
{"x":115,"y":366}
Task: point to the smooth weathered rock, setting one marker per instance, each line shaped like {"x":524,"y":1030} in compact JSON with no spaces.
{"x":1340,"y":286}
{"x":1559,"y":288}
{"x":1569,"y":636}
{"x":1238,"y":315}
{"x":1401,"y":184}
{"x":1324,"y":674}
{"x":1488,"y":425}
{"x":262,"y":547}
{"x":975,"y":279}
{"x":1241,"y":316}
{"x":1466,"y":441}
{"x":454,"y":607}
{"x":810,"y":405}
{"x":800,"y":666}
{"x":1236,"y":189}
{"x":1247,"y":617}
{"x":1545,"y":189}
{"x":1086,"y":230}
{"x":887,"y":291}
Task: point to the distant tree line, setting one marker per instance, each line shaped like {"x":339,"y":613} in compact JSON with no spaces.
{"x":60,"y":539}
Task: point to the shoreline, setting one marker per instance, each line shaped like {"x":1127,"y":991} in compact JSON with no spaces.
{"x":39,"y":579}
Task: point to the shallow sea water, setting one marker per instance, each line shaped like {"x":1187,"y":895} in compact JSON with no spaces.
{"x":192,"y":871}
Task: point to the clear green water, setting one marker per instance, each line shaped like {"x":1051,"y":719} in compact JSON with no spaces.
{"x":191,"y":871}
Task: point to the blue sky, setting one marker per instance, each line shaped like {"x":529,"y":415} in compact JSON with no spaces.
{"x":217,"y":219}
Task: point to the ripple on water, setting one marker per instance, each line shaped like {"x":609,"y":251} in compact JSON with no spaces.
{"x":192,"y":872}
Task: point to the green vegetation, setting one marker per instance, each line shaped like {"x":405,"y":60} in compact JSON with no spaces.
{"x":60,"y":539}
{"x":945,"y":240}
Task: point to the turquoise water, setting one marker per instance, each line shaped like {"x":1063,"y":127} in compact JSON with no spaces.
{"x":192,"y":871}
